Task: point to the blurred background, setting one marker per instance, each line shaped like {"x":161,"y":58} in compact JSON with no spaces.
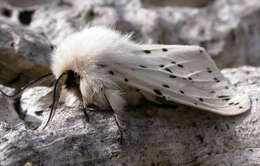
{"x":30,"y":29}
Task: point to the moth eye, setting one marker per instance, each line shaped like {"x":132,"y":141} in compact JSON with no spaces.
{"x":147,"y":51}
{"x":137,"y":90}
{"x":157,"y":92}
{"x":179,"y":65}
{"x":164,"y":49}
{"x":126,"y":80}
{"x":111,"y":72}
{"x":52,"y":47}
{"x":167,"y":69}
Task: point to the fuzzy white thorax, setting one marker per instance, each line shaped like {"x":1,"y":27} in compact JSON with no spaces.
{"x":82,"y":50}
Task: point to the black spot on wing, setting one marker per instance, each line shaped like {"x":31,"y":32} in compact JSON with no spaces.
{"x":201,"y":99}
{"x":172,"y":76}
{"x":126,"y":80}
{"x":173,"y":62}
{"x":223,"y":96}
{"x":147,"y":51}
{"x":212,"y":91}
{"x":216,"y":79}
{"x":142,"y":66}
{"x":226,"y":99}
{"x":180,"y":65}
{"x":165,"y":85}
{"x":209,"y":70}
{"x":164,"y":49}
{"x":158,"y":92}
{"x":168,"y":70}
{"x":162,"y":66}
{"x":181,"y":91}
{"x":189,"y":78}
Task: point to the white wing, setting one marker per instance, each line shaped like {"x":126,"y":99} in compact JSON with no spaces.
{"x":182,"y":74}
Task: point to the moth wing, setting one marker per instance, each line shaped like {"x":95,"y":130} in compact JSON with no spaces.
{"x":181,"y":74}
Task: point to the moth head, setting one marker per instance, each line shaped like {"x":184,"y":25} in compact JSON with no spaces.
{"x":69,"y":80}
{"x":72,"y":80}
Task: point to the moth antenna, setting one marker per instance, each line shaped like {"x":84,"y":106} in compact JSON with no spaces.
{"x":26,"y":86}
{"x":56,"y":96}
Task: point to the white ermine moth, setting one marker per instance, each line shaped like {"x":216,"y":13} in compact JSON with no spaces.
{"x":105,"y":69}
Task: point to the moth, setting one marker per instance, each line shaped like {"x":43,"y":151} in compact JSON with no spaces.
{"x":106,"y":70}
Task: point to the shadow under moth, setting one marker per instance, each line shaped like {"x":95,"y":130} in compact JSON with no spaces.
{"x":106,"y":70}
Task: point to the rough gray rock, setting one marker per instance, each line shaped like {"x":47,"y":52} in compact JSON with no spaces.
{"x":152,"y":135}
{"x":26,"y":3}
{"x":9,"y":119}
{"x":184,"y":3}
{"x":225,"y":28}
{"x":24,"y":55}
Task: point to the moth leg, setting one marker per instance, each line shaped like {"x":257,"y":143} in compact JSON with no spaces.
{"x":109,"y":96}
{"x":84,"y":109}
{"x":119,"y":128}
{"x":85,"y":106}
